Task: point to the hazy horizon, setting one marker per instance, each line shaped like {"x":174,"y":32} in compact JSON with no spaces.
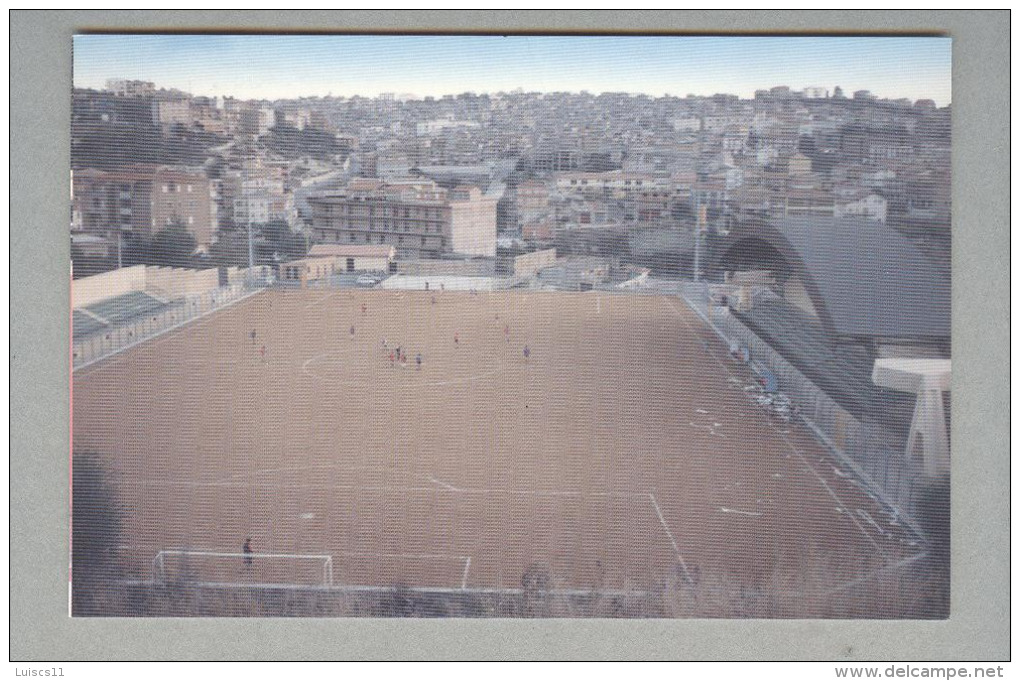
{"x":273,"y":67}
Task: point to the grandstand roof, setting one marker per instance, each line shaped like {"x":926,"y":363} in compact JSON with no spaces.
{"x":114,"y":311}
{"x":865,"y":279}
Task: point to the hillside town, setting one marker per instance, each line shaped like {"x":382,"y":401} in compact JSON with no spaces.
{"x":162,"y":177}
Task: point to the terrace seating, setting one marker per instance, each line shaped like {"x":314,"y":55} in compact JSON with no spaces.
{"x":85,"y":325}
{"x":115,"y":311}
{"x":843,"y":371}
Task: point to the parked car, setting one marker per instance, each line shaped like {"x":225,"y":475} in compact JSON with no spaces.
{"x":367,"y":280}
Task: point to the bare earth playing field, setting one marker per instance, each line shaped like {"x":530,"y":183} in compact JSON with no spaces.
{"x":622,"y":455}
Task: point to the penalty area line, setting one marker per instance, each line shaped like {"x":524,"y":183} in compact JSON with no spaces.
{"x":672,"y":539}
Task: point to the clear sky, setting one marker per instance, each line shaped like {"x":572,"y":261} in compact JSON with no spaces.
{"x":277,"y":67}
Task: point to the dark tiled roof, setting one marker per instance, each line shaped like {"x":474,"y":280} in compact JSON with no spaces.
{"x":866,"y":279}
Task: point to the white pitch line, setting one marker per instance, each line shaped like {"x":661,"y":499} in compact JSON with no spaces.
{"x":321,"y":356}
{"x":445,"y":485}
{"x":733,"y":510}
{"x":234,"y":481}
{"x":886,"y":568}
{"x":467,"y":566}
{"x":672,"y":539}
{"x":360,"y":384}
{"x":376,"y":554}
{"x":835,"y":497}
{"x":793,"y":449}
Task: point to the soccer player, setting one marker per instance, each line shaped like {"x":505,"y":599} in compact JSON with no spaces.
{"x":527,"y":353}
{"x":364,"y":308}
{"x":393,"y":359}
{"x":246,"y":549}
{"x":262,"y":351}
{"x":417,"y":361}
{"x":506,"y":333}
{"x":252,"y":335}
{"x":352,"y":331}
{"x":456,"y":339}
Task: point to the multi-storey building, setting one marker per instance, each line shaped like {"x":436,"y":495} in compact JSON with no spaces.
{"x":142,"y":200}
{"x":419,"y":218}
{"x":256,"y":193}
{"x":130,"y":88}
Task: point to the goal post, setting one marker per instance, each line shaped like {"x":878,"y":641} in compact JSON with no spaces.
{"x":294,"y":570}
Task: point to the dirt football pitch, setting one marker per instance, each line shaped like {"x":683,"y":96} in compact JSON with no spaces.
{"x":620,"y":454}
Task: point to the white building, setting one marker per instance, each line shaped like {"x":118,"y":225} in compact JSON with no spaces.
{"x":870,"y":205}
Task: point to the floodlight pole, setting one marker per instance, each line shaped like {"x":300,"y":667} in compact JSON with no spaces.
{"x":251,"y":251}
{"x":702,"y":211}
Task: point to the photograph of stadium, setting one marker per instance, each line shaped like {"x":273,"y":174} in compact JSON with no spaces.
{"x":510,"y":326}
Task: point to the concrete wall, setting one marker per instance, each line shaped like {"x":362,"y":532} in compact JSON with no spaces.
{"x":237,"y":275}
{"x":89,"y":290}
{"x":172,"y":282}
{"x":473,"y":227}
{"x":465,"y":268}
{"x":164,"y":282}
{"x":530,"y":263}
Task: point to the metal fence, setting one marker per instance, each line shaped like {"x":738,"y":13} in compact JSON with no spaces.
{"x":111,"y":340}
{"x":875,"y":454}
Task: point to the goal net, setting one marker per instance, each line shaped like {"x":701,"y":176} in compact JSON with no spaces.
{"x":223,"y":568}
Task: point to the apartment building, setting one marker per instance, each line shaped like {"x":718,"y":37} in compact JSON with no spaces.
{"x":142,"y":200}
{"x":418,"y":218}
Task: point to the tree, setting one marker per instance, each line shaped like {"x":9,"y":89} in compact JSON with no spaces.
{"x":172,"y":247}
{"x":88,"y":265}
{"x":277,"y":239}
{"x":135,"y":250}
{"x":96,"y":522}
{"x":231,"y":249}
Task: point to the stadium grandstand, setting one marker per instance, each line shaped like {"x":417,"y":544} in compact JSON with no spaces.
{"x":829,"y":298}
{"x":115,"y":311}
